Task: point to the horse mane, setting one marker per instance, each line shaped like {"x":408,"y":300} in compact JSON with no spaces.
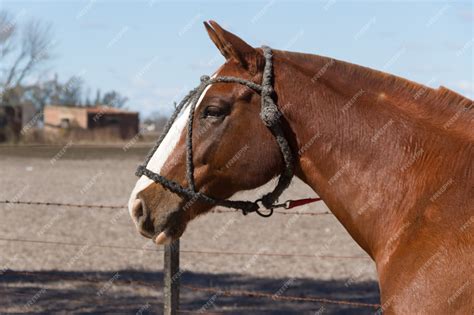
{"x":441,"y":107}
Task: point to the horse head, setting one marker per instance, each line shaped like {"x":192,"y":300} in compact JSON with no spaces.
{"x":232,"y":149}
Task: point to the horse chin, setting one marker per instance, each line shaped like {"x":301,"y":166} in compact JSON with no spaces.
{"x":167,"y":236}
{"x":163,"y":238}
{"x":172,"y":229}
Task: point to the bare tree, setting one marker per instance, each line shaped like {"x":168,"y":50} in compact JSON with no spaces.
{"x":71,"y":93}
{"x":157,"y":120}
{"x":114,"y":99}
{"x":7,"y":34}
{"x":51,"y":92}
{"x":21,"y":51}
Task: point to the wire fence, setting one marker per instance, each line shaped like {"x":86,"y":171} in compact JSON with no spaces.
{"x":184,"y":251}
{"x":59,"y":204}
{"x":90,"y":206}
{"x":277,"y":297}
{"x":213,"y":290}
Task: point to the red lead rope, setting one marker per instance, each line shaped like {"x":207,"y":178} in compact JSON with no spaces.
{"x":300,"y":202}
{"x":289,"y":204}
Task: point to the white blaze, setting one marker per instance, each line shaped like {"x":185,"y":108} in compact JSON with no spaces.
{"x":164,"y":151}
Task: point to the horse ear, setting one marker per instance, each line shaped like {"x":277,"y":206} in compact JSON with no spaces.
{"x":232,"y":47}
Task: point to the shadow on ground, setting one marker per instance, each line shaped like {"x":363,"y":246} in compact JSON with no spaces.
{"x":140,"y":292}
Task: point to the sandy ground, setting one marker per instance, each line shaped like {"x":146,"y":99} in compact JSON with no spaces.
{"x":82,"y":278}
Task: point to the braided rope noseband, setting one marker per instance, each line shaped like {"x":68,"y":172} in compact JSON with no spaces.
{"x":270,"y":116}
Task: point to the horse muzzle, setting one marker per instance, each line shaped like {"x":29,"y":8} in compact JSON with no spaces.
{"x":153,"y":227}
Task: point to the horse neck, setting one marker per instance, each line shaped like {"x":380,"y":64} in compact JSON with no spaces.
{"x":347,"y":150}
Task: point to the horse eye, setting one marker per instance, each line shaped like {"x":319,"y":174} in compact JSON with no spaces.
{"x":213,"y":111}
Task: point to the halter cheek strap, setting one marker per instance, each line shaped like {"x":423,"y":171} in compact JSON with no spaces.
{"x":270,"y":115}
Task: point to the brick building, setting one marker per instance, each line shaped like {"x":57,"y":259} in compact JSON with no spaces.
{"x":123,"y":123}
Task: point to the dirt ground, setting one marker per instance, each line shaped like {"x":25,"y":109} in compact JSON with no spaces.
{"x":38,"y":277}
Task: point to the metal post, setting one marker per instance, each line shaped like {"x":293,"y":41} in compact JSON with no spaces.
{"x":171,"y":279}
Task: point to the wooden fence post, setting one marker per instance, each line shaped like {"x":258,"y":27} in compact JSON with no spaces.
{"x":171,"y":279}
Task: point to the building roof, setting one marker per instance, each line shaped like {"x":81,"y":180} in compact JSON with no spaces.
{"x":101,"y":109}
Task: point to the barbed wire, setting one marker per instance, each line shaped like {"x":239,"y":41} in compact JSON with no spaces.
{"x":141,"y":145}
{"x":81,"y":278}
{"x":213,"y":290}
{"x":59,"y":204}
{"x":278,"y":297}
{"x":78,"y":244}
{"x":92,"y":206}
{"x":184,"y":251}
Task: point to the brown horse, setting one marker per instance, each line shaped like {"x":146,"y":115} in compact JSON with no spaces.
{"x":392,"y":159}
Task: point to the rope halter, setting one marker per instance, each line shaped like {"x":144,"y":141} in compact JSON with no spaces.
{"x":270,"y":116}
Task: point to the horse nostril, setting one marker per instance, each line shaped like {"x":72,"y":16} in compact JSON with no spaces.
{"x":144,"y":221}
{"x":137,"y":209}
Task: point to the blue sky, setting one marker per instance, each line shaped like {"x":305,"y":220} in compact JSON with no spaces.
{"x":154,"y":51}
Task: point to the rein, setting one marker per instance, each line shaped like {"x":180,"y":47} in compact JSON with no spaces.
{"x":270,"y":116}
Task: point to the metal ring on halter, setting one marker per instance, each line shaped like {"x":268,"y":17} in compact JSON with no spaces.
{"x":260,"y":213}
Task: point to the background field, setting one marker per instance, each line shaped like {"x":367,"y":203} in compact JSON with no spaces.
{"x":85,"y":278}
